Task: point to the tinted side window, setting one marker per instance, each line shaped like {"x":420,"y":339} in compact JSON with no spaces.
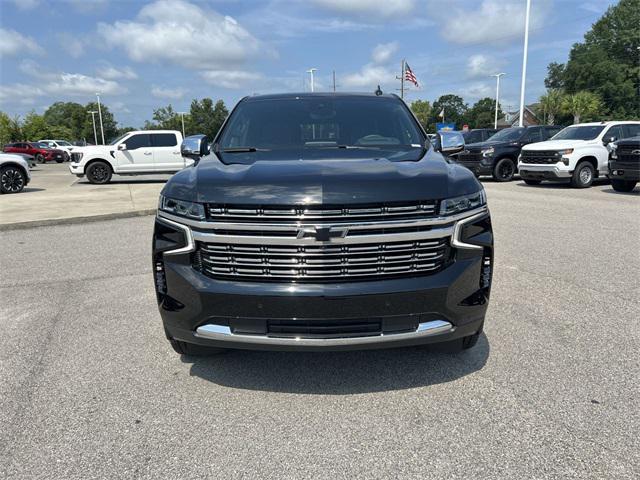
{"x":551,"y":131}
{"x":163,"y":140}
{"x":533,"y":135}
{"x":615,"y":131}
{"x":137,"y":141}
{"x":632,"y":130}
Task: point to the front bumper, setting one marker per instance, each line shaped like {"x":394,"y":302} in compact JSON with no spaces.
{"x":624,"y":171}
{"x":478,"y":168}
{"x":450,"y":304}
{"x":530,"y":171}
{"x":76,"y":168}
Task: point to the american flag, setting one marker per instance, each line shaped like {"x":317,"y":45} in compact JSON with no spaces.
{"x":409,"y":75}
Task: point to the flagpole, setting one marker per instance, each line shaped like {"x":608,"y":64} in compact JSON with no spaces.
{"x":402,"y":80}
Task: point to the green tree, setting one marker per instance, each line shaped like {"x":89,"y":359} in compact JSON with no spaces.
{"x":108,"y":122}
{"x":67,"y":119}
{"x":555,"y":76}
{"x":422,"y":110}
{"x":35,"y":127}
{"x":454,"y":111}
{"x":165,"y":118}
{"x":607,"y":62}
{"x":10,"y":130}
{"x":482,"y":113}
{"x":552,"y":104}
{"x":582,"y":104}
{"x":205,"y":118}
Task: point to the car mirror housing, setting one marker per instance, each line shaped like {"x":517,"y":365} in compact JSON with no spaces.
{"x":449,"y":142}
{"x":195,"y":147}
{"x":122,"y":147}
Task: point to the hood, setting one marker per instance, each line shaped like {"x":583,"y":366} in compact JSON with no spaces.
{"x":326,"y":181}
{"x":474,"y":147}
{"x":555,"y":145}
{"x":93,"y":148}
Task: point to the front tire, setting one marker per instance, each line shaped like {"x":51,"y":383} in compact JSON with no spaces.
{"x":59,"y":160}
{"x":39,"y":158}
{"x":99,"y":173}
{"x":623,"y":185}
{"x":184,"y":348}
{"x":532,"y":182}
{"x":66,"y":157}
{"x":582,"y":175}
{"x":504,"y":170}
{"x":12,"y":179}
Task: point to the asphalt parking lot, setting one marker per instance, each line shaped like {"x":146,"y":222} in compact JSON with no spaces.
{"x":91,"y":389}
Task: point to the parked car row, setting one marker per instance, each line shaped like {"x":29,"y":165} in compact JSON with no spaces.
{"x":578,"y":154}
{"x":41,"y":151}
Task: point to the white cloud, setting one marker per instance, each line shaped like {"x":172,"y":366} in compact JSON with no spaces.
{"x":112,"y":73}
{"x":480,"y":65}
{"x":476,"y":91}
{"x":385,"y":9}
{"x":71,"y":44}
{"x":383,"y":52}
{"x":19,"y":93}
{"x":86,"y":6}
{"x":26,"y":4}
{"x":13,"y":43}
{"x":493,"y":22}
{"x":79,"y":84}
{"x":369,"y":76}
{"x":181,"y":33}
{"x":230,"y":78}
{"x":172,"y":93}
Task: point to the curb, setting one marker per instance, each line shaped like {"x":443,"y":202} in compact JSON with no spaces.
{"x":76,"y":220}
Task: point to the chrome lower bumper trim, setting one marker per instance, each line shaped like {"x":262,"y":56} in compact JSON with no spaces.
{"x":220,"y":332}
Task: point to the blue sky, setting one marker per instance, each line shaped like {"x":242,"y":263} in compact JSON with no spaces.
{"x":145,"y":54}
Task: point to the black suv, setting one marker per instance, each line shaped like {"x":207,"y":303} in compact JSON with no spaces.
{"x":478,"y":135}
{"x":624,"y":164}
{"x":498,"y":156}
{"x":322,"y":221}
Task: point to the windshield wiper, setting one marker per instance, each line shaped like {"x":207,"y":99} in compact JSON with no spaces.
{"x":244,"y":149}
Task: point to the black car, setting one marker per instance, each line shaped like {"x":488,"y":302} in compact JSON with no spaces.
{"x":624,"y":164}
{"x":498,"y":156}
{"x":478,"y":135}
{"x":322,"y":221}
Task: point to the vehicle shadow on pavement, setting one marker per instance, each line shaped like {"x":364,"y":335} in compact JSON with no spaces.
{"x":140,"y":181}
{"x":33,"y":189}
{"x":635,"y":192}
{"x":339,"y":373}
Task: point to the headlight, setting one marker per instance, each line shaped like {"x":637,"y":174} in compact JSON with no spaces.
{"x":76,"y":157}
{"x":613,"y":148}
{"x":488,"y":151}
{"x":182,"y":208}
{"x":568,"y":151}
{"x":451,"y":206}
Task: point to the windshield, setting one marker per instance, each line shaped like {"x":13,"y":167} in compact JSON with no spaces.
{"x":40,"y":145}
{"x":321,"y":123}
{"x":117,"y":140}
{"x":579,"y":133}
{"x":508,"y":134}
{"x":63,"y":143}
{"x":473,"y":136}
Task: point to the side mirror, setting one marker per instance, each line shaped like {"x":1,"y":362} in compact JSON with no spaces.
{"x":195,"y":147}
{"x":122,"y":147}
{"x":449,"y":143}
{"x":609,"y":140}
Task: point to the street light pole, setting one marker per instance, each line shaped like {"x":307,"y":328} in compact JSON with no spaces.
{"x":310,"y":72}
{"x":93,"y":120}
{"x":524,"y":62}
{"x":182,"y":114}
{"x":497,"y":75}
{"x":100,"y":116}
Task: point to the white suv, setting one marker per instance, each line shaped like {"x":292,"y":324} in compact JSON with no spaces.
{"x":578,"y":153}
{"x":63,"y":145}
{"x":134,"y":153}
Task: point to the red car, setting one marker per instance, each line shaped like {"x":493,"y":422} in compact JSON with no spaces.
{"x":40,"y":151}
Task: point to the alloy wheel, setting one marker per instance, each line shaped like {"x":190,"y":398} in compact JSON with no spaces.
{"x":12,"y":180}
{"x":585,"y":175}
{"x":506,"y":170}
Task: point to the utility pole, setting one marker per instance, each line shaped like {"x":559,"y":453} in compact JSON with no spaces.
{"x":310,"y":72}
{"x":182,"y":114}
{"x":524,"y":62}
{"x":100,"y":116}
{"x":334,"y":80}
{"x":93,"y":120}
{"x":401,"y":78}
{"x":497,"y":75}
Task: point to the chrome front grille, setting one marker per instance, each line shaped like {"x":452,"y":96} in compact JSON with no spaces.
{"x":627,"y":155}
{"x":468,"y":156}
{"x":307,"y":213}
{"x":323,"y":262}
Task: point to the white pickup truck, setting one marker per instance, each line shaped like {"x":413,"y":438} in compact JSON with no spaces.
{"x":577,"y":153}
{"x":134,"y":153}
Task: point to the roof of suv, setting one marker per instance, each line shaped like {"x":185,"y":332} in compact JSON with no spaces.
{"x":278,"y":96}
{"x":609,"y":122}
